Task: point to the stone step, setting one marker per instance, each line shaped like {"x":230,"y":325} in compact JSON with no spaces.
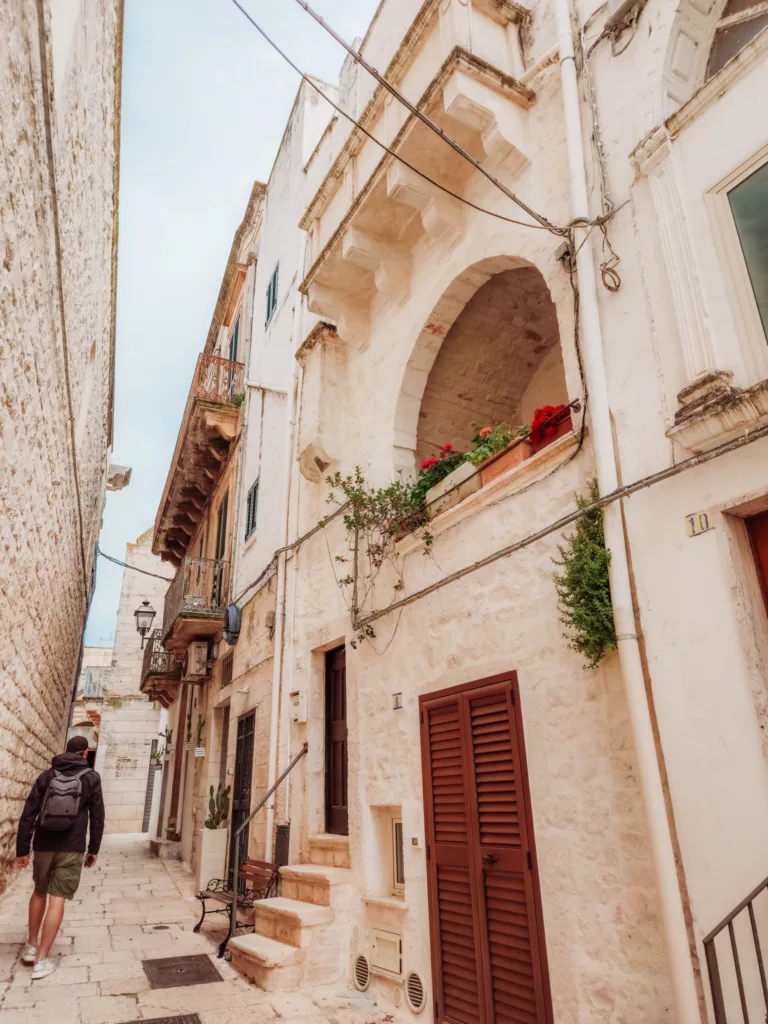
{"x":274,"y":966}
{"x":318,"y":884}
{"x":288,"y":920}
{"x":329,"y":850}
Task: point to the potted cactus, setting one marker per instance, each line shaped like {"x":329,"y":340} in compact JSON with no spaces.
{"x":212,"y":845}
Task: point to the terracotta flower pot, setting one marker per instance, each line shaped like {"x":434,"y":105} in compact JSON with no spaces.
{"x":515,"y":453}
{"x":565,"y":426}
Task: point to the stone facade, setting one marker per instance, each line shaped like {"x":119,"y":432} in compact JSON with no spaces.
{"x":413,"y":316}
{"x":60,"y":96}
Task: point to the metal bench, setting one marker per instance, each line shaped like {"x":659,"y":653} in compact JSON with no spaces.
{"x":258,"y":879}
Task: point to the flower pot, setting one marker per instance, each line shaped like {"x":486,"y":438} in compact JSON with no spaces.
{"x":452,"y":489}
{"x":565,"y":426}
{"x":517,"y":451}
{"x":211,"y":858}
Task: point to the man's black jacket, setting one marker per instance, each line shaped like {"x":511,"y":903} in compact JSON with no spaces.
{"x":91,"y":807}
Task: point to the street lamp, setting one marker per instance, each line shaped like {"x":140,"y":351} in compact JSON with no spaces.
{"x":145,"y":613}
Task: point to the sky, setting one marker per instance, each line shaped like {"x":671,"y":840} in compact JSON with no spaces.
{"x":204,"y":105}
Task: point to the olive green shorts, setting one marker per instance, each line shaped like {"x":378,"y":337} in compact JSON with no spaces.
{"x":57,"y":874}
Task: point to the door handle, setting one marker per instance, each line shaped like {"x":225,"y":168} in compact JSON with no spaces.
{"x":489,"y":859}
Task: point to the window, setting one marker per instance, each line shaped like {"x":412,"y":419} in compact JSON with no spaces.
{"x":251,"y":505}
{"x":398,"y":863}
{"x":749,"y":206}
{"x":92,"y":687}
{"x":272,"y":295}
{"x":234,"y":340}
{"x":739,"y":23}
{"x":226,"y":669}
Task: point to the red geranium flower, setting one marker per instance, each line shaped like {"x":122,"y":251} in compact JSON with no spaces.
{"x":446,"y":449}
{"x":486,"y":432}
{"x":546,"y":420}
{"x":429,"y":462}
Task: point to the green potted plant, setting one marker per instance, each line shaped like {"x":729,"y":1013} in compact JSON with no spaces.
{"x":212,"y":840}
{"x":497,"y":449}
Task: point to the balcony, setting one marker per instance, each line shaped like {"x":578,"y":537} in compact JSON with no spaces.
{"x":195,"y":603}
{"x":208,"y":430}
{"x":160,"y":671}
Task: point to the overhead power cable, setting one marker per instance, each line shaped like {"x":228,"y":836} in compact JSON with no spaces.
{"x":359,"y":59}
{"x":133,"y":568}
{"x":543,"y":224}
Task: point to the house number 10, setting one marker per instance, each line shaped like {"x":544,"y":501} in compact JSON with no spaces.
{"x":698,"y":523}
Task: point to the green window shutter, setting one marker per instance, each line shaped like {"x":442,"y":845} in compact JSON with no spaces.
{"x":250,"y":510}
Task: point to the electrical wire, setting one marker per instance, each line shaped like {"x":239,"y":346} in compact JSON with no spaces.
{"x":359,"y":59}
{"x":546,"y":226}
{"x":133,"y":568}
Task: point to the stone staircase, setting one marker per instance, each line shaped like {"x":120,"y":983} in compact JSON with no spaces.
{"x":302,"y":936}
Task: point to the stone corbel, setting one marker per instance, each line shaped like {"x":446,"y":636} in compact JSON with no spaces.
{"x":351,"y":318}
{"x":390,"y":267}
{"x":712,"y":411}
{"x":498,"y":119}
{"x":441,"y":216}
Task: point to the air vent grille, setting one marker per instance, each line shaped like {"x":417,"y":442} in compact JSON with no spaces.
{"x":414,"y":991}
{"x":362,"y":973}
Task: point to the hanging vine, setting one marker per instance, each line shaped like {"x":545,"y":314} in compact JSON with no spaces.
{"x":583,"y":587}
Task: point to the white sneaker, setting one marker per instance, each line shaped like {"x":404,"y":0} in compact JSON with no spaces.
{"x":29,"y":954}
{"x":42,"y":969}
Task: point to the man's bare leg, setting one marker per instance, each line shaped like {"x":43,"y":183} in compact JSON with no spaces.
{"x":36,"y":913}
{"x":51,"y":926}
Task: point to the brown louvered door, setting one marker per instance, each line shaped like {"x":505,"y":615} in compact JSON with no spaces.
{"x":488,"y":954}
{"x":336,"y":799}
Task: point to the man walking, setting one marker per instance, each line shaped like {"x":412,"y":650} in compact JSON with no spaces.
{"x":62,"y":802}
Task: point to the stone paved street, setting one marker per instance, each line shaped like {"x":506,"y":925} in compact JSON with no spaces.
{"x":130,"y":908}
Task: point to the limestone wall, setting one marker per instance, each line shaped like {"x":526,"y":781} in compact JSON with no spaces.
{"x":56,"y":366}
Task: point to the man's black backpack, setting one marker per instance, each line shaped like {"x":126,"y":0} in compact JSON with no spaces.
{"x":62,"y":800}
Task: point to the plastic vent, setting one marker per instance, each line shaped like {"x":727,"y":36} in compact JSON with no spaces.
{"x":362,"y":973}
{"x":414,"y":991}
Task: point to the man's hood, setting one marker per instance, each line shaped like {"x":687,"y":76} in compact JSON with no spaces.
{"x":69,"y":761}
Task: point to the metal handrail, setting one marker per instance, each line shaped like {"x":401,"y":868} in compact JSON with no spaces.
{"x":237,"y":863}
{"x":718,"y":999}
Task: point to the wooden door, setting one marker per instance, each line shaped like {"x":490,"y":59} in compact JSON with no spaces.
{"x":336,"y":800}
{"x":488,"y":954}
{"x":241,"y":795}
{"x":757,"y":528}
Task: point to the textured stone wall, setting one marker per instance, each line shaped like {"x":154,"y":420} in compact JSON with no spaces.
{"x":129,"y":723}
{"x":55,"y":364}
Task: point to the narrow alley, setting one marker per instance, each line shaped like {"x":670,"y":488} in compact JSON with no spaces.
{"x":130,"y":909}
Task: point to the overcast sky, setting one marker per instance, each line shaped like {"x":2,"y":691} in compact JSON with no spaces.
{"x":205,"y":102}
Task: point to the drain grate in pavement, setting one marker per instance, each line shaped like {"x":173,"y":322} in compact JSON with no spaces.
{"x":177,"y":971}
{"x":187,"y":1018}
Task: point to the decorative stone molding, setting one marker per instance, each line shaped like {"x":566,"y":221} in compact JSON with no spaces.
{"x":713,"y":411}
{"x":500,"y":124}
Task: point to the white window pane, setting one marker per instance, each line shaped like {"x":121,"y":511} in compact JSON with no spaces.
{"x":749,"y":204}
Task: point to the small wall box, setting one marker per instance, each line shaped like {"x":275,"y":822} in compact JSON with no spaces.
{"x":298,"y":706}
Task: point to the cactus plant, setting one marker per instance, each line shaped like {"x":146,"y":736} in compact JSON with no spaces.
{"x":218,"y":807}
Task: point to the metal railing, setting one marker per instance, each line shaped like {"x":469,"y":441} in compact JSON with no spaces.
{"x":157,"y":661}
{"x":199,"y":588}
{"x":217,"y":379}
{"x":234,"y":843}
{"x":737,"y":975}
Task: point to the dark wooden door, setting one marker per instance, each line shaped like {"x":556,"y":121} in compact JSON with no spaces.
{"x":757,"y":527}
{"x":241,"y":794}
{"x":488,"y":954}
{"x":336,"y":801}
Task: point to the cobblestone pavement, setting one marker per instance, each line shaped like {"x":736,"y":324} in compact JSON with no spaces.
{"x":131,"y":907}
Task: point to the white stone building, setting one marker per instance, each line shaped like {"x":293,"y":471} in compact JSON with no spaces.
{"x":59,"y":139}
{"x":479,"y":826}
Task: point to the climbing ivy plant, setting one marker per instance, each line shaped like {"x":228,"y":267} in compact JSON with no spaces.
{"x":583,"y":588}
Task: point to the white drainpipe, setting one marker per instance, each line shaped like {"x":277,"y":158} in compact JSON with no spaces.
{"x":277,"y":671}
{"x":670,"y":901}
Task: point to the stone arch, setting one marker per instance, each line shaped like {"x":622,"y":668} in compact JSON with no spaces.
{"x":690,"y":45}
{"x":488,"y":353}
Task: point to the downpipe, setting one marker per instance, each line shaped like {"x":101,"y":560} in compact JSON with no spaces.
{"x":662,"y":850}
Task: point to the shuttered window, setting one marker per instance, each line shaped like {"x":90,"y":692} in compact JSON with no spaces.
{"x":272,"y":295}
{"x":489,"y":960}
{"x":251,"y":508}
{"x":234,"y":341}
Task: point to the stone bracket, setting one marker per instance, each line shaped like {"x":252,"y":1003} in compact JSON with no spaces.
{"x":499,"y":122}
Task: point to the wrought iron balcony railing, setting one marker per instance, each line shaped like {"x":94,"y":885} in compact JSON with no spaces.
{"x":199,"y":590}
{"x":157,"y":661}
{"x":218,"y":380}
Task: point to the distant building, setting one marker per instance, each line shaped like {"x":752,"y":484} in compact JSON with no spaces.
{"x":92,"y":688}
{"x":59,"y":150}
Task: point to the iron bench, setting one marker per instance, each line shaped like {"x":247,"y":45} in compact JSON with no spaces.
{"x":258,"y":880}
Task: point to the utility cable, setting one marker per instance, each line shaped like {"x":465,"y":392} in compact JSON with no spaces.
{"x":358,"y":58}
{"x":133,"y":568}
{"x":545,"y":226}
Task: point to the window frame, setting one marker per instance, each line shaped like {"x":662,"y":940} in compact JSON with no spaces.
{"x":251,"y":509}
{"x":272,"y":291}
{"x":398,"y":887}
{"x":743,"y":301}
